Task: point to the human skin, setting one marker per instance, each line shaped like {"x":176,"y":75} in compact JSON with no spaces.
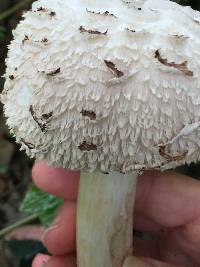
{"x":167,"y":207}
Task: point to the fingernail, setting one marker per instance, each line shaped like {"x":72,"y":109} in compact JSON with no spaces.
{"x":56,"y":224}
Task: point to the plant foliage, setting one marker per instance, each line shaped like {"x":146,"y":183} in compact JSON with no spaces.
{"x":42,"y":204}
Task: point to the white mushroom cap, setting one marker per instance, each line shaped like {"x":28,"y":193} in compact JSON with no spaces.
{"x":106,"y":85}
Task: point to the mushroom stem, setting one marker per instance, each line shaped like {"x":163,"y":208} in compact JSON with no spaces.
{"x":105,"y":219}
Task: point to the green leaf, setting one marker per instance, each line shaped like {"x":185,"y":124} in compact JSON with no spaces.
{"x":42,"y":204}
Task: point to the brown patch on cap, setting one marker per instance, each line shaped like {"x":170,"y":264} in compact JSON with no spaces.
{"x":28,"y":144}
{"x":47,"y":116}
{"x":163,"y":153}
{"x":52,"y":13}
{"x":181,"y":67}
{"x":53,"y":72}
{"x":11,"y":77}
{"x":95,"y":32}
{"x":130,"y":30}
{"x":87,"y":146}
{"x":114,"y":69}
{"x":180,"y":36}
{"x":45,"y":10}
{"x":42,"y":9}
{"x":88,"y":113}
{"x":106,"y":13}
{"x":41,"y":124}
{"x":26,"y":38}
{"x":44,"y":40}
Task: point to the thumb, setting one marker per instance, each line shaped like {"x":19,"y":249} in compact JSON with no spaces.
{"x":144,"y":262}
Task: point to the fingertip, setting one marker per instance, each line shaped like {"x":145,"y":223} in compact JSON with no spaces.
{"x":56,"y":181}
{"x":59,"y":239}
{"x":40,"y":260}
{"x":39,"y":171}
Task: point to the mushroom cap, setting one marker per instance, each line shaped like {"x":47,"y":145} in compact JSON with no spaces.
{"x":106,"y":85}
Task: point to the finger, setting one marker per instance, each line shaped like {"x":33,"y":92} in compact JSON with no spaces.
{"x":181,"y":245}
{"x":56,"y":181}
{"x":154,"y":190}
{"x":54,"y":261}
{"x":60,"y":237}
{"x":62,"y":261}
{"x":147,"y":224}
{"x":172,"y":247}
{"x":40,"y":260}
{"x":167,"y":250}
{"x":145,"y":262}
{"x":168,"y":199}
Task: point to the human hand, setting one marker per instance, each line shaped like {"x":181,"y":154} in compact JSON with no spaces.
{"x":167,"y":207}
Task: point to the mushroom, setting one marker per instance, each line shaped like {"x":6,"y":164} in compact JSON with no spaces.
{"x":112,"y":91}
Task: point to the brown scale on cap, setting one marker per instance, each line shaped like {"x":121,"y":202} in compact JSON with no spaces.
{"x":106,"y":13}
{"x":41,"y":124}
{"x":46,"y":10}
{"x":130,"y":30}
{"x":180,"y":36}
{"x":42,"y":9}
{"x":163,"y":153}
{"x":87,"y":146}
{"x":47,"y":116}
{"x":26,"y":38}
{"x":89,"y":113}
{"x":53,"y":72}
{"x":52,"y":13}
{"x":28,"y":144}
{"x":114,"y":69}
{"x":182,"y":66}
{"x":11,"y":77}
{"x":95,"y":32}
{"x":44,"y":40}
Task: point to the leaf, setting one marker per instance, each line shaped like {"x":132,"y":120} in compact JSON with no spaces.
{"x":42,"y":204}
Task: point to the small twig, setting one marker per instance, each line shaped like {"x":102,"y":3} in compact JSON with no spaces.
{"x":18,"y":224}
{"x":14,"y":9}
